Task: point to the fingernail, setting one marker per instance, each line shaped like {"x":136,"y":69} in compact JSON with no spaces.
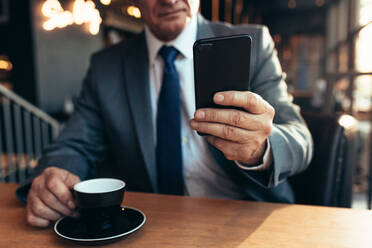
{"x":71,"y":204}
{"x":219,"y":98}
{"x":194,"y":124}
{"x":75,"y":215}
{"x":200,"y":114}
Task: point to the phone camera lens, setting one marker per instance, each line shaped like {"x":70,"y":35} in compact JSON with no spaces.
{"x":205,"y":47}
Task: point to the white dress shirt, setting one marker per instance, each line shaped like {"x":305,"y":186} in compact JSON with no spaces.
{"x":203,"y":177}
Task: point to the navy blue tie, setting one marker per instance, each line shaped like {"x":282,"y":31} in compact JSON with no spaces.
{"x":168,"y":149}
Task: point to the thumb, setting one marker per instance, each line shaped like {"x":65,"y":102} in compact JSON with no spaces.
{"x":71,"y":180}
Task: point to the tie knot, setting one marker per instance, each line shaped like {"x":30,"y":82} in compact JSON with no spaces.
{"x":169,"y":54}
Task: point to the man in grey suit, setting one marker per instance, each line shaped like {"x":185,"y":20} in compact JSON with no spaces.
{"x":248,"y":153}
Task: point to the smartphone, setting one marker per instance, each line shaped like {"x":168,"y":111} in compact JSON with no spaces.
{"x":220,"y":64}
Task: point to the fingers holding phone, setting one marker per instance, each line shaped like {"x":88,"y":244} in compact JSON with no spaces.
{"x":240,"y":134}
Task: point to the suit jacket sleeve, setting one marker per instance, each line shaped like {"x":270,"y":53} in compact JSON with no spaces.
{"x":290,"y":140}
{"x":81,"y":144}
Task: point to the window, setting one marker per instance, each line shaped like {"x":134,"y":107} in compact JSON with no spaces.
{"x":349,"y":53}
{"x":364,"y":15}
{"x":363,"y":53}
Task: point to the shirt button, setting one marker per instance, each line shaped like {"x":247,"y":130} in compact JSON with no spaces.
{"x":184,"y":139}
{"x":188,"y":176}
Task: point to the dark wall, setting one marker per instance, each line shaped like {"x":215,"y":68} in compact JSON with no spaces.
{"x":306,"y":18}
{"x":293,"y":22}
{"x":61,"y":59}
{"x":48,"y":67}
{"x":16,"y":42}
{"x":206,"y":9}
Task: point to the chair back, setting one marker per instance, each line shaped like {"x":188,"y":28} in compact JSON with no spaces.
{"x":328,"y":180}
{"x":25,"y":131}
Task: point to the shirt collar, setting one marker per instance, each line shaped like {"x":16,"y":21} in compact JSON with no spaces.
{"x":183,"y":43}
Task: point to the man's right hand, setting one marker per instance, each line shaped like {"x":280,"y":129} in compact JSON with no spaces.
{"x":50,"y":197}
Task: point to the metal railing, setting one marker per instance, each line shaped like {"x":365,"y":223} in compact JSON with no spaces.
{"x":25,"y":131}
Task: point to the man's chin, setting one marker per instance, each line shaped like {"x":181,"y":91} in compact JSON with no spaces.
{"x":170,"y":31}
{"x":180,"y":14}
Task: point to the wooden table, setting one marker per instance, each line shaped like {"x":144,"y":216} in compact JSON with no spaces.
{"x":192,"y":222}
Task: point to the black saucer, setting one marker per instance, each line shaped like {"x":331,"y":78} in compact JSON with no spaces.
{"x":128,"y":221}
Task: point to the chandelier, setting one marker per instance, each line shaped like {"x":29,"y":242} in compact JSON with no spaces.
{"x":83,"y":12}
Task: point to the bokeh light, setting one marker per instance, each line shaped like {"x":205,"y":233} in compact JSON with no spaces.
{"x":105,"y":2}
{"x":82,"y":12}
{"x":134,"y":11}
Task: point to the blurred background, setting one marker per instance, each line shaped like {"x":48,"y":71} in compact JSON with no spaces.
{"x":324,"y":47}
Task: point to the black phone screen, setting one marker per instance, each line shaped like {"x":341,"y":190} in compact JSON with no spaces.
{"x":220,"y":64}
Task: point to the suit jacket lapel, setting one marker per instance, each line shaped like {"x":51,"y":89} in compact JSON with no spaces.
{"x":136,"y":74}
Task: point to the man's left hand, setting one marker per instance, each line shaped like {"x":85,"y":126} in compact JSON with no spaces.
{"x":240,"y":134}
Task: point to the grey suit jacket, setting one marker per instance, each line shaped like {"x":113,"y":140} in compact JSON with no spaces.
{"x":111,"y":132}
